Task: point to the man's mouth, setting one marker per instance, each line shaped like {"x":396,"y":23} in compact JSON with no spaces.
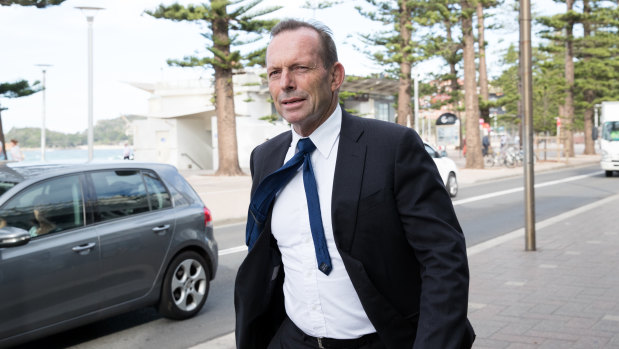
{"x":291,"y":101}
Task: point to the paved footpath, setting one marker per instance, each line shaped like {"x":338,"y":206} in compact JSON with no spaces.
{"x":564,"y":295}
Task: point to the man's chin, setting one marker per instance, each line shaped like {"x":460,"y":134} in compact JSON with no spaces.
{"x":293,"y":118}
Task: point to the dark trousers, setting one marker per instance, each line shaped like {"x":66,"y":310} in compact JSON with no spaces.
{"x":289,"y":336}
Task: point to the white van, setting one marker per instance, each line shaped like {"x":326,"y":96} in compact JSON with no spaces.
{"x":610,"y":137}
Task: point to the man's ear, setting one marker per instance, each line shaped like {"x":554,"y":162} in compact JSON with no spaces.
{"x":337,"y":76}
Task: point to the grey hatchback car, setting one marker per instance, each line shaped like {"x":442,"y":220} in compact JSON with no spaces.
{"x":81,"y":242}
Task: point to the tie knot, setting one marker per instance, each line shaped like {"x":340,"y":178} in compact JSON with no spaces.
{"x":306,"y":145}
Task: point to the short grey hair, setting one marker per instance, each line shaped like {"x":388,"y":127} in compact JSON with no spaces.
{"x":329,"y":51}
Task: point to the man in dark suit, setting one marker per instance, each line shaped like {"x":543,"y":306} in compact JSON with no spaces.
{"x":398,"y":272}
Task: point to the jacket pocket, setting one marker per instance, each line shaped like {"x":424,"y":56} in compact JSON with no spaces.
{"x":371,"y":201}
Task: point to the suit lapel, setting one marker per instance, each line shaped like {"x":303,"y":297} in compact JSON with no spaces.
{"x":277,"y":153}
{"x":347,"y":182}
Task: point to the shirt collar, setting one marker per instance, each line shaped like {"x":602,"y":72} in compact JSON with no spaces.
{"x":325,"y":136}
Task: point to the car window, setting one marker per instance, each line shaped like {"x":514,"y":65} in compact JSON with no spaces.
{"x":119,"y":194}
{"x":430,"y":151}
{"x":45,"y":207}
{"x":159,"y":196}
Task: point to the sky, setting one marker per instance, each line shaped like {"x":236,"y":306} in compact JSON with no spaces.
{"x":129,"y":46}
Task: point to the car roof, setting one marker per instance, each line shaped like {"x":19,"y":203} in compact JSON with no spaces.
{"x":16,"y":172}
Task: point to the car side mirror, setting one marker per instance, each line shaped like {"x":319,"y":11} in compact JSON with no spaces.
{"x":12,"y":236}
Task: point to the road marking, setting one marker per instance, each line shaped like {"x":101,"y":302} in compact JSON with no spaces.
{"x":473,"y":250}
{"x":232,"y":250}
{"x":506,"y":237}
{"x":519,"y":189}
{"x":611,"y":318}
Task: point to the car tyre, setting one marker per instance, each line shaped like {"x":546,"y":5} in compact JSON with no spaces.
{"x":609,"y":173}
{"x":452,"y":185}
{"x":185,"y":286}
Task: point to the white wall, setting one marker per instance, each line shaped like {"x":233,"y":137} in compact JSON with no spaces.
{"x":249,"y":134}
{"x":195,"y":151}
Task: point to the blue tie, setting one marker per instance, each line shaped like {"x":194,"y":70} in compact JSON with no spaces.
{"x":265,"y":194}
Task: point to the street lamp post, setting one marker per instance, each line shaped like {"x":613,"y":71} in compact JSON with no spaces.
{"x":44,"y":69}
{"x":90,"y":17}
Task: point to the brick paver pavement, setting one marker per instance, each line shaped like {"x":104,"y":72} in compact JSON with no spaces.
{"x":564,"y":295}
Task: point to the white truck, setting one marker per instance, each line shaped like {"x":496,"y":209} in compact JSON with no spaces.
{"x":610,"y":137}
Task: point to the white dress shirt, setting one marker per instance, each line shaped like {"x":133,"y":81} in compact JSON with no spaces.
{"x":320,"y":305}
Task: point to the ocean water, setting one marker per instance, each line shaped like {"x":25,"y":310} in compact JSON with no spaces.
{"x":32,"y":155}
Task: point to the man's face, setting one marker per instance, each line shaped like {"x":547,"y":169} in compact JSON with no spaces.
{"x":304,"y":92}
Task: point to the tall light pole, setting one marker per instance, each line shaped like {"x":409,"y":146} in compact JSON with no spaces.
{"x":44,"y":69}
{"x":527,"y":108}
{"x":90,"y":17}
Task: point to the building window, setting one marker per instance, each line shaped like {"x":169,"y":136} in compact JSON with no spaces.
{"x":382,"y":111}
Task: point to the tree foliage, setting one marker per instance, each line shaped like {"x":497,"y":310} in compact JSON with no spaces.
{"x":224,"y":20}
{"x":394,"y":48}
{"x":35,"y":3}
{"x":107,"y":132}
{"x":16,"y":89}
{"x":19,"y":88}
{"x":446,"y":44}
{"x":593,"y":76}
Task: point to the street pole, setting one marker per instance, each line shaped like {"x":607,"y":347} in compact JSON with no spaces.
{"x":527,"y":107}
{"x":90,"y":17}
{"x":44,"y":69}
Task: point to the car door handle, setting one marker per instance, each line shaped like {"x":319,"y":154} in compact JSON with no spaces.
{"x":161,"y":228}
{"x":84,"y":249}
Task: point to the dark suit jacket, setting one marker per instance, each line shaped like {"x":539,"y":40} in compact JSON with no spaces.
{"x":396,"y":230}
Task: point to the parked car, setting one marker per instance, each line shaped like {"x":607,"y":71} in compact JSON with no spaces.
{"x":447,"y":168}
{"x":81,"y":242}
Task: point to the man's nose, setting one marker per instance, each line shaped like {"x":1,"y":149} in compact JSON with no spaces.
{"x":287,"y":80}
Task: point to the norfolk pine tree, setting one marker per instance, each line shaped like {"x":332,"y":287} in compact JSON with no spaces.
{"x":35,"y":3}
{"x":20,"y":88}
{"x":397,"y":49}
{"x":595,"y":70}
{"x":597,"y":66}
{"x":484,"y":93}
{"x":14,"y":90}
{"x":221,"y":17}
{"x":474,"y":156}
{"x":445,"y":14}
{"x":563,"y":25}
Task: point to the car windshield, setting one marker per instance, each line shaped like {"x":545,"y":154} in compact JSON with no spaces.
{"x":611,"y":131}
{"x":13,"y":173}
{"x":5,"y":186}
{"x":8,"y":178}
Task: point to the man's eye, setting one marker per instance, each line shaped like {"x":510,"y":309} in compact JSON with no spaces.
{"x":301,"y":68}
{"x":274,"y":74}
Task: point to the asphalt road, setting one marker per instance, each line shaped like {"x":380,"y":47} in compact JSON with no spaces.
{"x":485,"y":211}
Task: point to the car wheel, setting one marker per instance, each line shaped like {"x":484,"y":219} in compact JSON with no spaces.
{"x":609,"y":173}
{"x":185,"y":286}
{"x":452,"y":185}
